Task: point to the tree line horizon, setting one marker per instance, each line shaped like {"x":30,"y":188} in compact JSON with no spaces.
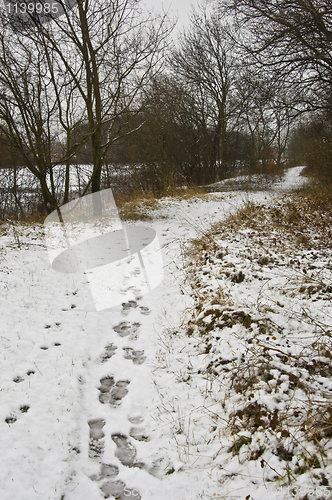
{"x":246,"y":88}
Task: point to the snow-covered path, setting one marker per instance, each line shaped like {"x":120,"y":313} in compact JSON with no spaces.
{"x":93,"y":404}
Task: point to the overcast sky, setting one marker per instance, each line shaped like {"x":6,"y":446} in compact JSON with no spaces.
{"x":180,"y":8}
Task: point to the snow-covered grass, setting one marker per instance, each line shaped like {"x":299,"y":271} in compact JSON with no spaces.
{"x":262,"y":326}
{"x":215,"y":385}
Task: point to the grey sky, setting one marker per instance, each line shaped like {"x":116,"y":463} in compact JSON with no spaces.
{"x":180,"y":8}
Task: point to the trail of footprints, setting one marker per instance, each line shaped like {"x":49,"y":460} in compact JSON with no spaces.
{"x":111,"y":393}
{"x":13,"y":417}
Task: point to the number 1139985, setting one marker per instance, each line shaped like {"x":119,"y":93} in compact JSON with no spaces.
{"x":32,"y":8}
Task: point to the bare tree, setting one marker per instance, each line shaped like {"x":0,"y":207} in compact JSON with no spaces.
{"x":174,"y":142}
{"x":30,"y":107}
{"x":266,"y":110}
{"x":120,"y":49}
{"x":206,"y":59}
{"x":294,"y":37}
{"x":88,"y":65}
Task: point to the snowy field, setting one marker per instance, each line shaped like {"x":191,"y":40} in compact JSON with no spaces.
{"x":118,"y":403}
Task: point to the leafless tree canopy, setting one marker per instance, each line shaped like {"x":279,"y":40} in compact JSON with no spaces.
{"x":294,"y":37}
{"x":87,"y":66}
{"x":103,"y":85}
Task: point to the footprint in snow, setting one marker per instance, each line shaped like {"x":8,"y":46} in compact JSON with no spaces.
{"x":132,"y":304}
{"x":119,"y":490}
{"x":106,"y":471}
{"x":106,"y":383}
{"x":97,"y":441}
{"x":108,"y":353}
{"x":125,"y":451}
{"x":137,"y":357}
{"x":112,"y":393}
{"x":116,"y":488}
{"x":113,"y":488}
{"x":144,"y":310}
{"x":139,"y":434}
{"x":11,"y":420}
{"x":160,"y":467}
{"x":96,"y":448}
{"x":125,"y":328}
{"x":126,"y":306}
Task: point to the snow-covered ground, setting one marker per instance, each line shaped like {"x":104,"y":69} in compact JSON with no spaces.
{"x":116,"y":403}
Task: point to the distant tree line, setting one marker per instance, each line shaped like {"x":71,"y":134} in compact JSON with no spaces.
{"x":294,"y":40}
{"x":246,"y":88}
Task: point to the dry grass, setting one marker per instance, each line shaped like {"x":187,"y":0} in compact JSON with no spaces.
{"x":140,"y":206}
{"x":305,"y":219}
{"x":133,"y":206}
{"x":136,"y":206}
{"x":296,"y":410}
